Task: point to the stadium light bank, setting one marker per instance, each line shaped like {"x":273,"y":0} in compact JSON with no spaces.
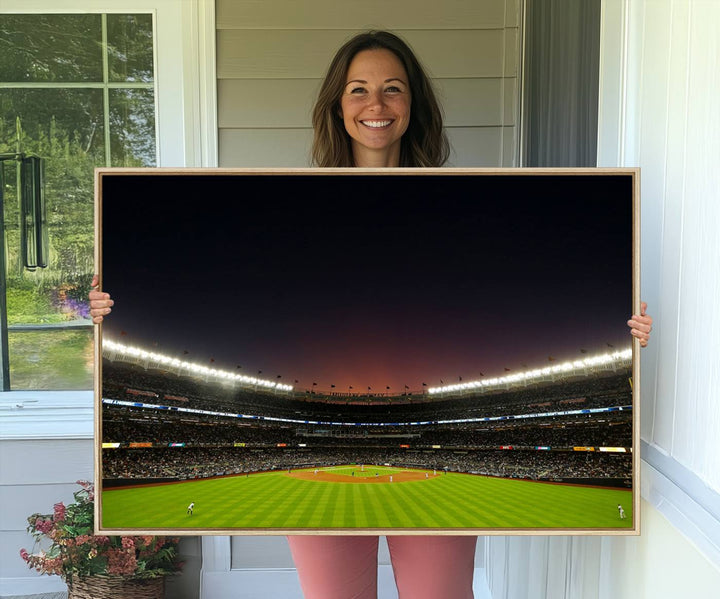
{"x":138,"y":355}
{"x":607,"y":361}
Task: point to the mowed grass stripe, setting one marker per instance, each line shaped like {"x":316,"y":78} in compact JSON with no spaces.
{"x":327,"y":506}
{"x":261,"y":493}
{"x":392,"y":516}
{"x":415,"y":501}
{"x":275,"y":500}
{"x":312,"y":497}
{"x":405,"y":505}
{"x":465,"y":502}
{"x":312,"y":505}
{"x":463,"y":495}
{"x":375,"y":506}
{"x":521,"y":504}
{"x":363,"y":514}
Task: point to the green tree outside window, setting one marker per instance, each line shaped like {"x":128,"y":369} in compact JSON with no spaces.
{"x":78,"y":91}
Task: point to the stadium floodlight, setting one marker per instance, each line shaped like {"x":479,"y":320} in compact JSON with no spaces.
{"x":562,"y":370}
{"x":139,"y":354}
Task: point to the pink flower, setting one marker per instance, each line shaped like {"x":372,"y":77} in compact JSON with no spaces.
{"x":121,"y":562}
{"x":53,"y":566}
{"x":24,"y":555}
{"x":44,"y":526}
{"x":128,"y":543}
{"x":59,"y":509}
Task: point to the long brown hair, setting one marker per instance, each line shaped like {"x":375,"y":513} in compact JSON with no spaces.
{"x":423,"y":144}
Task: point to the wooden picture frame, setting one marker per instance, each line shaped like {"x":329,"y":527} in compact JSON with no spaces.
{"x":444,"y":351}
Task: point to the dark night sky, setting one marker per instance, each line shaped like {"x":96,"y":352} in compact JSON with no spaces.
{"x":359,"y":280}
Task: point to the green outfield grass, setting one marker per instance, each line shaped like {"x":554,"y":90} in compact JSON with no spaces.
{"x":279,"y":501}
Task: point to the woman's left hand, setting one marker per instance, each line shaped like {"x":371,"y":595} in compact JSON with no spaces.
{"x":641,"y":325}
{"x":100,"y":303}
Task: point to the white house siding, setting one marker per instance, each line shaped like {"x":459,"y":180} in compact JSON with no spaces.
{"x":37,"y":471}
{"x":271,"y":58}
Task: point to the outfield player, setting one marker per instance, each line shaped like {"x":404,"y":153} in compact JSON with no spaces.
{"x":621,"y":511}
{"x":190,"y":508}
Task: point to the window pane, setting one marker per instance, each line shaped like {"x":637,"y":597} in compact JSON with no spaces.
{"x":51,"y":359}
{"x":130,"y":48}
{"x":53,"y":122}
{"x":66,"y":127}
{"x":132,"y":127}
{"x":50,"y":48}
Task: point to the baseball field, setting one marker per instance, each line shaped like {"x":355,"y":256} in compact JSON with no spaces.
{"x":364,"y":497}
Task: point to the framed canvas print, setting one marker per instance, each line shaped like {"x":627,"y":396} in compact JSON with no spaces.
{"x":335,"y":351}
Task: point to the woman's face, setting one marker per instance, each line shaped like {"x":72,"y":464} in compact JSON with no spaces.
{"x":375,"y":107}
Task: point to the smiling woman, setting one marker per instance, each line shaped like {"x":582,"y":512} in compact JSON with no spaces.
{"x":377,"y":108}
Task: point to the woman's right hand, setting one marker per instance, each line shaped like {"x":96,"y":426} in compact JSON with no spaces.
{"x":100,"y":302}
{"x":641,"y":325}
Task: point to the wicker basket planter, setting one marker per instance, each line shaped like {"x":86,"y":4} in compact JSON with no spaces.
{"x":116,"y":587}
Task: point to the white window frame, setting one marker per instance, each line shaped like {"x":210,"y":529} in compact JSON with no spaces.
{"x":184,"y":33}
{"x":186,"y":129}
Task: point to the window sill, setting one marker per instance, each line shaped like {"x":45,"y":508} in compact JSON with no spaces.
{"x":46,"y":415}
{"x":690,"y":506}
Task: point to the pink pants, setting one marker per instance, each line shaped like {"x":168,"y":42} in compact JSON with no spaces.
{"x":345,"y":567}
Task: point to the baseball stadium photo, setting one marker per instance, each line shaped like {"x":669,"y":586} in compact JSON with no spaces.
{"x":293,"y":352}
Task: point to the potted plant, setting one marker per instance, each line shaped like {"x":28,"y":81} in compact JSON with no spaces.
{"x":94,"y":566}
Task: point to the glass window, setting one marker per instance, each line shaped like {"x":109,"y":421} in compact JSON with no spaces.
{"x":78,"y":91}
{"x":39,"y":48}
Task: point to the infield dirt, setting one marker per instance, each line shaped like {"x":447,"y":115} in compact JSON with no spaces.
{"x":397,"y":477}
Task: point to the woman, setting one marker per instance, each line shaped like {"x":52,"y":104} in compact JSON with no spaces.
{"x":363,"y":114}
{"x":376,"y":108}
